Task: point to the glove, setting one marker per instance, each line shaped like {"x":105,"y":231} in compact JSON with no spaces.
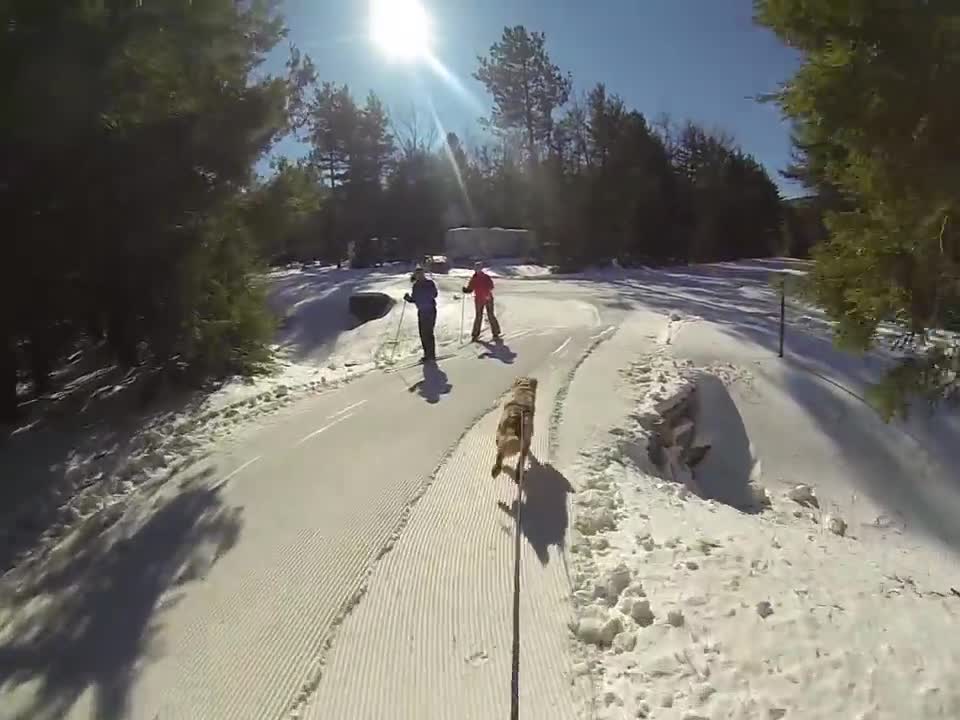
{"x":408,"y":298}
{"x":466,"y":290}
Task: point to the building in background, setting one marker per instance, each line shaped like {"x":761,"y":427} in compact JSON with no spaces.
{"x":468,"y":243}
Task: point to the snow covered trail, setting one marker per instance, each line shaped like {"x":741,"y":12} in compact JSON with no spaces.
{"x":240,"y":584}
{"x":436,"y":620}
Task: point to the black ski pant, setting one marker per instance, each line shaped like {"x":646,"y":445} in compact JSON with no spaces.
{"x":426,"y":320}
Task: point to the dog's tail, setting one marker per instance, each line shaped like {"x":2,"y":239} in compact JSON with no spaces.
{"x":510,"y":445}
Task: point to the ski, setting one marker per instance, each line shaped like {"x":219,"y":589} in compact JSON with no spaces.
{"x":419,"y":363}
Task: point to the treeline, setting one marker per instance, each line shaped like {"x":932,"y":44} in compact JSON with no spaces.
{"x":129,"y":134}
{"x":594,"y":177}
{"x":134,"y":222}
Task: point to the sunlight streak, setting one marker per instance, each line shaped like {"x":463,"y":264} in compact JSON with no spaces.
{"x":471,"y":215}
{"x":453,"y":82}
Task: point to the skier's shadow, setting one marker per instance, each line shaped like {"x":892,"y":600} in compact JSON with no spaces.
{"x":498,"y":351}
{"x":543,"y":507}
{"x":433,"y":385}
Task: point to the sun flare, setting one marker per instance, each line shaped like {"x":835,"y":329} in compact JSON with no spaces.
{"x":400,"y":29}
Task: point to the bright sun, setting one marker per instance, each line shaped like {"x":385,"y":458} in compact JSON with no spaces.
{"x":400,"y":28}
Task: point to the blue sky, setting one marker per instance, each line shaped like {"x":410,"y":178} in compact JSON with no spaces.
{"x":697,"y":59}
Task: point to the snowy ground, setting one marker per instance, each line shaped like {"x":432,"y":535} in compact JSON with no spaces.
{"x":91,"y":445}
{"x":682,"y":607}
{"x":843,"y":606}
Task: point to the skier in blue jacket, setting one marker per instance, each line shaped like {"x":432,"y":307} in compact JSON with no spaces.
{"x":423,"y":294}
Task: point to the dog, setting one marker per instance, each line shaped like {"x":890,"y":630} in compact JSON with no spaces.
{"x":515,"y":430}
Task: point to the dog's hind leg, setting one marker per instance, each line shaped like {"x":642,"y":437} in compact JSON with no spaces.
{"x":497,"y":465}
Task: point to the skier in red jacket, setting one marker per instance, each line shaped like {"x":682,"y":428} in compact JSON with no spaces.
{"x":481,"y":285}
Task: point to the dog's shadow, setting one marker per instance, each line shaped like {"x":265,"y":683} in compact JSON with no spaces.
{"x":543,"y":507}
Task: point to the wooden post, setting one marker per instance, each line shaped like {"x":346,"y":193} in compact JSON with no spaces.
{"x":783,"y":308}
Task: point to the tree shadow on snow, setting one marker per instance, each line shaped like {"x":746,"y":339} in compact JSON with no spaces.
{"x":498,"y":351}
{"x":544,"y":518}
{"x":433,"y":385}
{"x":915,"y":482}
{"x":98,"y":604}
{"x":739,"y":300}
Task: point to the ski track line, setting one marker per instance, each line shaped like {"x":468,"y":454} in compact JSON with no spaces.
{"x":603,"y":332}
{"x":437,"y":619}
{"x":280,"y":675}
{"x":348,"y":408}
{"x":214,"y":676}
{"x":562,"y":346}
{"x":557,"y":412}
{"x":236,"y":471}
{"x":314,"y":675}
{"x":322,"y":429}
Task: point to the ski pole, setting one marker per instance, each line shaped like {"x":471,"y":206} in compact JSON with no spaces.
{"x":396,"y":340}
{"x":463,"y":302}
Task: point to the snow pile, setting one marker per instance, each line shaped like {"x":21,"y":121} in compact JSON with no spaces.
{"x":512,"y":268}
{"x":689,"y":608}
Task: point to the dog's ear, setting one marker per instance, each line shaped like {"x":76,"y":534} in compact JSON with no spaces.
{"x":533,"y":383}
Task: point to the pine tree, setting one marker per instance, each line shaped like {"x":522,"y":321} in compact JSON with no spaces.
{"x":875,"y":108}
{"x":128,"y":130}
{"x":527,"y":88}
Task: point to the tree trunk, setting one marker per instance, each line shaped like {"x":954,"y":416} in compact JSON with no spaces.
{"x":41,"y":361}
{"x":8,"y":379}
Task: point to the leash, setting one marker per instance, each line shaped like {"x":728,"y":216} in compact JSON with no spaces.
{"x":515,"y":673}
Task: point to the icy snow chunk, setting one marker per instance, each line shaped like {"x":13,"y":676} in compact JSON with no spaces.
{"x":764,"y":609}
{"x":611,"y":628}
{"x":804,"y":495}
{"x":641,"y":613}
{"x":675,"y":618}
{"x":579,"y":544}
{"x":611,"y":698}
{"x":596,"y":631}
{"x":600,"y":543}
{"x":835,"y":524}
{"x":617,"y":581}
{"x":625,"y":642}
{"x":595,"y":499}
{"x":594,"y":520}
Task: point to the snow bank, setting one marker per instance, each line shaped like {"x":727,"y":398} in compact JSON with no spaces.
{"x":690,"y":608}
{"x":512,"y":268}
